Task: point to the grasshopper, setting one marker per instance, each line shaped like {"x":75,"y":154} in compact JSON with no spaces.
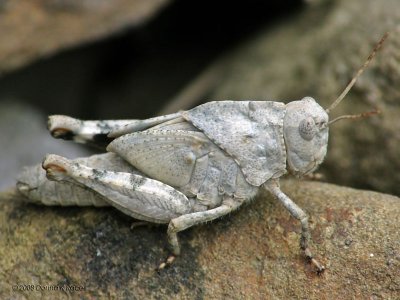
{"x":192,"y":166}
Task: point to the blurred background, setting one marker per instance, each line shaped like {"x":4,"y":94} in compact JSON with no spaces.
{"x":140,"y":58}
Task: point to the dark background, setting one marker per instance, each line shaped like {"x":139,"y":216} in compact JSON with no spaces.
{"x":135,"y":72}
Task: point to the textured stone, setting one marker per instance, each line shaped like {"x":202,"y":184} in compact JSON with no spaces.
{"x":250,"y":254}
{"x":30,"y":30}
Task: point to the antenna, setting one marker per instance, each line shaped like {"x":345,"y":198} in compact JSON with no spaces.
{"x":358,"y":116}
{"x":358,"y":74}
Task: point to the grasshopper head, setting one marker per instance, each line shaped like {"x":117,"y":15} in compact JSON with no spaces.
{"x":305,"y":130}
{"x":305,"y":126}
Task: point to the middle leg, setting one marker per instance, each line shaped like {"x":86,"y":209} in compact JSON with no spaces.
{"x":188,"y":220}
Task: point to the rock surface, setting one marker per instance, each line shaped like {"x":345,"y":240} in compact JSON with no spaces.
{"x":250,"y":254}
{"x":32,"y":29}
{"x":315,"y":54}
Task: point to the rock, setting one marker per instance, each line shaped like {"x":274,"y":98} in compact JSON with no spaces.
{"x":25,"y":140}
{"x":30,"y":30}
{"x":250,"y":254}
{"x":315,"y":54}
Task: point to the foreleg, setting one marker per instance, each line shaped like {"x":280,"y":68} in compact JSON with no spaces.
{"x":299,"y":214}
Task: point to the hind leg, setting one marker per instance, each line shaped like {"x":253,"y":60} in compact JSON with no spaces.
{"x":99,"y":133}
{"x":34,"y":185}
{"x":137,"y":196}
{"x":85,"y":132}
{"x":140,"y":197}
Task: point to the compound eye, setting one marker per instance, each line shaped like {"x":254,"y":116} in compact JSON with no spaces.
{"x":307,"y":129}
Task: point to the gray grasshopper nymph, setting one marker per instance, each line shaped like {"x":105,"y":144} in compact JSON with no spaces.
{"x":192,"y":166}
